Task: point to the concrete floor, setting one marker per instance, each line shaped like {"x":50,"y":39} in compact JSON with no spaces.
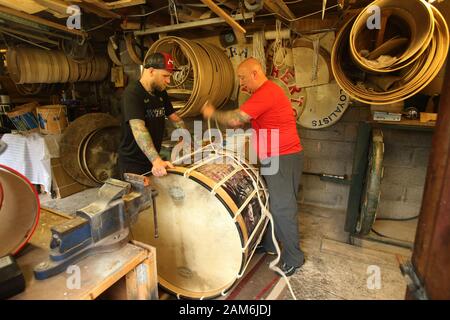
{"x":336,"y":270}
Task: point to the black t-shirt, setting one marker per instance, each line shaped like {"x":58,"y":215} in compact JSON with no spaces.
{"x":137,"y":103}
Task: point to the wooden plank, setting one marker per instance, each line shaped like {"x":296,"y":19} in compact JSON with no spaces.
{"x":40,"y":21}
{"x":98,"y":4}
{"x":406,"y":123}
{"x":28,"y":6}
{"x":131,"y":285}
{"x":380,"y":246}
{"x":99,"y":11}
{"x":56,"y":5}
{"x":221,"y":13}
{"x":279,"y":7}
{"x":277,"y":289}
{"x":359,"y":254}
{"x":29,"y":35}
{"x":123,"y":3}
{"x":230,"y":4}
{"x":431,"y":257}
{"x":146,"y":274}
{"x":189,"y":25}
{"x":98,"y":288}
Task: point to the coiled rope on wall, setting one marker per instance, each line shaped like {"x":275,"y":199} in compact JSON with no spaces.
{"x":206,"y":74}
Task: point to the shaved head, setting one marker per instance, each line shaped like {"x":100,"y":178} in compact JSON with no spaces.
{"x":251,"y":74}
{"x":251,"y":64}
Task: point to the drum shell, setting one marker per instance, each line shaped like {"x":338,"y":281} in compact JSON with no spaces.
{"x":52,"y":119}
{"x":19,"y":211}
{"x":205,"y":239}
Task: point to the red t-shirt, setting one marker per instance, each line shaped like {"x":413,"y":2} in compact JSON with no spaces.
{"x":272,"y":115}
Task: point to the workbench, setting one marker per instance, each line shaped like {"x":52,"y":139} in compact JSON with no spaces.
{"x":125,"y":273}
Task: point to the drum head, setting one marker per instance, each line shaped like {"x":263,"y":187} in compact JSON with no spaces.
{"x":19,"y":211}
{"x":199,"y":250}
{"x":305,"y":74}
{"x":326,"y":104}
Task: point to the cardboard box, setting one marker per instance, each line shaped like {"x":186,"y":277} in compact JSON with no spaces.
{"x":426,"y":116}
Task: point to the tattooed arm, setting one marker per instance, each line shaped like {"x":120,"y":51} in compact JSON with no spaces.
{"x":145,"y":143}
{"x":233,"y":118}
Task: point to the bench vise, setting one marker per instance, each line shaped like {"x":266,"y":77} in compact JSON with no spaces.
{"x":102,"y":226}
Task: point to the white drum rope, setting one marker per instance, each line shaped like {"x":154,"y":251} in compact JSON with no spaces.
{"x":315,"y":66}
{"x":279,"y":52}
{"x":259,"y":42}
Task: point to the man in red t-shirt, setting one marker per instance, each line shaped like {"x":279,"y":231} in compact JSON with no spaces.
{"x":279,"y":150}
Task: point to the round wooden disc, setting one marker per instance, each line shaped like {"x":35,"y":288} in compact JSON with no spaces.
{"x":73,"y":137}
{"x":303,"y":55}
{"x":100,"y":153}
{"x":325,"y":106}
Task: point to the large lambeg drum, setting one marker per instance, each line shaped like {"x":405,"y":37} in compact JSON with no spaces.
{"x":210,"y":217}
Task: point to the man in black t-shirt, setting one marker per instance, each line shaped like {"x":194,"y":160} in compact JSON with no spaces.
{"x":145,"y":105}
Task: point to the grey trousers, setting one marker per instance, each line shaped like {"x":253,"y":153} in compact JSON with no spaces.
{"x":283,"y":188}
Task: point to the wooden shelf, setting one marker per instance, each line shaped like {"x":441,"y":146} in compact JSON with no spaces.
{"x":404,"y":124}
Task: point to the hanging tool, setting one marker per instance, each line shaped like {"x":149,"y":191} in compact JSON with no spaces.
{"x":330,"y":177}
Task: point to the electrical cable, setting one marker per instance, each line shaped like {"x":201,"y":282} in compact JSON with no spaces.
{"x":299,"y":18}
{"x":99,"y":26}
{"x":146,"y":14}
{"x":388,"y":237}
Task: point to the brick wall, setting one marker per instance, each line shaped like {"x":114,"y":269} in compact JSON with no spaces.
{"x":405,"y":168}
{"x":330,"y":150}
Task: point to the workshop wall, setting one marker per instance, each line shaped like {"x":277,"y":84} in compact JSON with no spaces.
{"x":331,"y":150}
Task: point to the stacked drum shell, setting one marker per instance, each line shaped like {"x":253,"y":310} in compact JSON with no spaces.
{"x":30,"y":65}
{"x":209,"y":74}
